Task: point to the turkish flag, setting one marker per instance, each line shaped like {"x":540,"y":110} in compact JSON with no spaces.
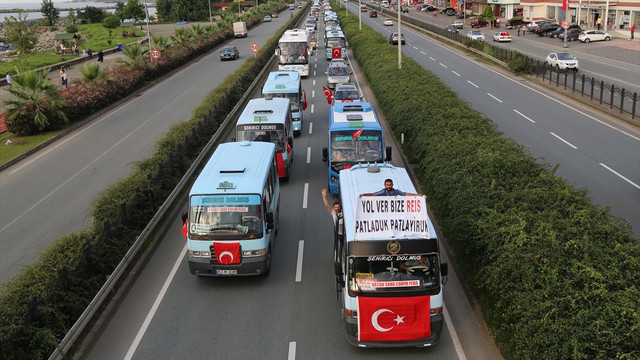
{"x":328,"y":94}
{"x":393,"y":318}
{"x":336,"y":53}
{"x":357,"y":133}
{"x":304,"y":105}
{"x":227,"y":252}
{"x":565,"y":5}
{"x":185,"y":229}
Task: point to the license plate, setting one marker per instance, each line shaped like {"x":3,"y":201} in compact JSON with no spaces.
{"x":226,"y":272}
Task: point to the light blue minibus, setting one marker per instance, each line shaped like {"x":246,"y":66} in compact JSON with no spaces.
{"x":287,"y":84}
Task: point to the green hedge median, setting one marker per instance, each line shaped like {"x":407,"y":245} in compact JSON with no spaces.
{"x":556,"y":276}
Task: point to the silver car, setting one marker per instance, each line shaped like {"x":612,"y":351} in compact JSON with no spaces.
{"x":338,"y":73}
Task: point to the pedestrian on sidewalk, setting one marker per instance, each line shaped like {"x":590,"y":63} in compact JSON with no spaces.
{"x":100,"y":56}
{"x":90,"y":53}
{"x":63,"y":76}
{"x":631,"y":31}
{"x":599,"y":23}
{"x":9,"y":80}
{"x":524,"y":30}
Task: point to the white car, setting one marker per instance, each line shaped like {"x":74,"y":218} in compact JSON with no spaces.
{"x":562,"y":61}
{"x":502,"y":36}
{"x":475,"y":35}
{"x":387,"y":22}
{"x":594,"y":35}
{"x":458,"y":24}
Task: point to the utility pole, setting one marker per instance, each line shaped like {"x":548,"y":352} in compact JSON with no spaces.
{"x":399,"y":37}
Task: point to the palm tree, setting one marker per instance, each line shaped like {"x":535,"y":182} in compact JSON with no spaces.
{"x":181,"y":35}
{"x":135,"y":57}
{"x":94,"y":75}
{"x":160,"y":42}
{"x":33,"y":90}
{"x":198,"y":32}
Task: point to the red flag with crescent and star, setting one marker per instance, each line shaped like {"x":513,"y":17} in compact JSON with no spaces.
{"x":336,"y":53}
{"x":185,"y":229}
{"x":393,"y":319}
{"x":304,"y":105}
{"x":565,"y":5}
{"x":328,"y":94}
{"x":357,"y":133}
{"x":227,"y":252}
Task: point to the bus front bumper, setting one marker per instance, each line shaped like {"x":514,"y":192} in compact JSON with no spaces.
{"x":249,"y":266}
{"x":437,"y":321}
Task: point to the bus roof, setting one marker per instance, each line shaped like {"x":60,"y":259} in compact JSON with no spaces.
{"x":265,"y":111}
{"x":369,"y":178}
{"x":295,"y":35}
{"x":353,"y":115}
{"x":236,"y":168}
{"x":334,"y":33}
{"x":282,"y":82}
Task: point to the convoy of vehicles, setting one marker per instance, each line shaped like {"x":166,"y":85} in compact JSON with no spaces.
{"x":389,"y":276}
{"x":233,"y":211}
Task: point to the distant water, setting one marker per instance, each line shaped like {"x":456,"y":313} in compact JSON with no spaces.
{"x":62,"y":6}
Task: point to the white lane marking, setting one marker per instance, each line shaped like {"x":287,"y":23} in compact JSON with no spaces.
{"x":309,"y":155}
{"x":315,"y":66}
{"x":472,"y":84}
{"x":314,"y":73}
{"x":415,"y":47}
{"x":495,"y":98}
{"x":313,"y":93}
{"x":310,"y":128}
{"x":299,"y":264}
{"x":305,"y":195}
{"x":292,"y":351}
{"x":432,"y":58}
{"x":312,"y":108}
{"x":156,"y":304}
{"x":443,"y":65}
{"x":455,"y":72}
{"x":422,"y":52}
{"x":620,"y":175}
{"x":564,"y":141}
{"x":521,"y":114}
{"x":454,"y":335}
{"x":314,"y":82}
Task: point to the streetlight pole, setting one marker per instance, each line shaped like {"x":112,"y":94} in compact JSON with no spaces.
{"x":399,"y":37}
{"x":209,"y":1}
{"x":360,"y":14}
{"x":148,"y":32}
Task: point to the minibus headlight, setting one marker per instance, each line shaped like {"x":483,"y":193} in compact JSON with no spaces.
{"x":197,"y":253}
{"x":252,"y":253}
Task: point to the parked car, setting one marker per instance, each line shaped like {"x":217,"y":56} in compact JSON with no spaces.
{"x":475,"y":35}
{"x":562,"y":61}
{"x":545,"y":29}
{"x":428,"y":8}
{"x":502,"y":36}
{"x":444,"y":11}
{"x":556,"y":33}
{"x":373,"y":14}
{"x":594,"y":35}
{"x":458,"y":24}
{"x":451,"y":28}
{"x":229,"y":53}
{"x":478,"y":22}
{"x":537,"y":23}
{"x":404,"y":9}
{"x":393,"y":39}
{"x":267,"y":18}
{"x":513,"y":23}
{"x":460,"y":15}
{"x":450,"y":12}
{"x":387,"y":22}
{"x":572,"y":34}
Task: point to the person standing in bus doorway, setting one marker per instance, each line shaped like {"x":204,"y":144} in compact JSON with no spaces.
{"x":336,"y":214}
{"x":389,"y":191}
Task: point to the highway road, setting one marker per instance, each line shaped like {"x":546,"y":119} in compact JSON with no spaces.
{"x":171,"y":314}
{"x":592,"y":150}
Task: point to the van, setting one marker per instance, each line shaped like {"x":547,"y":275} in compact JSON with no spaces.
{"x":384,"y":3}
{"x":240,"y":29}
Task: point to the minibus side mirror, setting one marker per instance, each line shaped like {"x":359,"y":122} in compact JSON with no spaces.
{"x":184,"y":217}
{"x":325,"y":154}
{"x":269,"y":220}
{"x":444,"y":270}
{"x":388,"y":153}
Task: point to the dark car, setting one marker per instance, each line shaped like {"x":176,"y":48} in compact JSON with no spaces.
{"x":373,"y":13}
{"x":513,"y":23}
{"x":572,"y":34}
{"x":560,"y":30}
{"x":460,"y":15}
{"x":451,"y":28}
{"x":393,"y":39}
{"x":229,"y":53}
{"x":546,"y":28}
{"x":445,"y":10}
{"x":429,"y":8}
{"x":478,"y":22}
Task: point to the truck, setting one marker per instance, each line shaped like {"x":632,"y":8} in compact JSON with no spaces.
{"x":240,"y":29}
